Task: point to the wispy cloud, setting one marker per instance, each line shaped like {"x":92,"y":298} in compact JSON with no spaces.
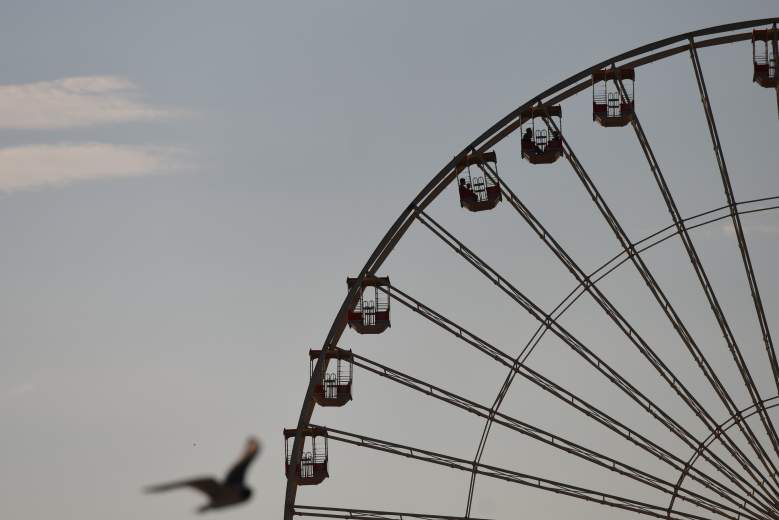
{"x":23,"y":388}
{"x":13,"y":394}
{"x":75,"y":102}
{"x":26,"y":167}
{"x":751,"y":228}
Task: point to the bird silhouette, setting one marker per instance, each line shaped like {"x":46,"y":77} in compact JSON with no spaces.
{"x":230,"y":492}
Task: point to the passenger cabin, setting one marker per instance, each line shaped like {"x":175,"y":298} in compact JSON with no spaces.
{"x":764,"y":56}
{"x":370,"y":313}
{"x":612,"y":96}
{"x":540,"y":144}
{"x":479,"y":191}
{"x":312,"y":468}
{"x":334,"y":388}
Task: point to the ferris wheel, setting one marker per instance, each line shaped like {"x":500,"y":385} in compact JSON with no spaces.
{"x":677,"y":425}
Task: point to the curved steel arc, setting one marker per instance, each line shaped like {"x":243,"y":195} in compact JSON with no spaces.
{"x":743,"y":249}
{"x":551,"y":439}
{"x":684,"y":335}
{"x":740,"y":416}
{"x":561,"y":332}
{"x":589,"y":356}
{"x":517,"y":477}
{"x":583,"y":406}
{"x":731,"y":199}
{"x":751,"y":277}
{"x":704,"y":282}
{"x":430,"y":191}
{"x":623,"y":256}
{"x":586,"y":84}
{"x":594,"y":277}
{"x":631,"y":334}
{"x":567,"y":397}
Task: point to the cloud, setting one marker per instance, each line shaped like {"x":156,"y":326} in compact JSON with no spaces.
{"x":15,"y":393}
{"x":749,"y":229}
{"x":26,"y":167}
{"x":24,"y":388}
{"x":75,"y":102}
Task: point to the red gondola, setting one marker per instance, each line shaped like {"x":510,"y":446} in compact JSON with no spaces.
{"x":764,"y":56}
{"x":312,"y":468}
{"x":538,"y":146}
{"x":479,"y":192}
{"x":610,"y":106}
{"x":335,"y":386}
{"x":371,"y":311}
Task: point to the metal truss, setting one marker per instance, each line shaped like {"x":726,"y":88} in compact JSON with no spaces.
{"x":566,"y":445}
{"x":547,"y":321}
{"x":741,"y":416}
{"x":743,"y":248}
{"x":365,"y":514}
{"x":758,"y":500}
{"x":708,"y":290}
{"x":668,"y":309}
{"x":579,"y":492}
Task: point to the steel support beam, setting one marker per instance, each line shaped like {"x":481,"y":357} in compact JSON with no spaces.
{"x":596,"y":362}
{"x":365,"y":514}
{"x":735,"y":218}
{"x":583,"y":406}
{"x":743,"y":249}
{"x":741,"y":416}
{"x":630,"y":333}
{"x":684,"y":334}
{"x":708,"y":290}
{"x":557,"y":441}
{"x":524,"y":479}
{"x":500,"y":130}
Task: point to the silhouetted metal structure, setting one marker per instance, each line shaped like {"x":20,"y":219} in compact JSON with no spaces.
{"x":479,"y":192}
{"x":311,"y":468}
{"x":370,"y":313}
{"x":540,"y":143}
{"x":731,"y":471}
{"x":611,"y":105}
{"x":764,"y":56}
{"x":334,"y":387}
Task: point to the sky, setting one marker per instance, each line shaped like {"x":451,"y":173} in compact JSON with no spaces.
{"x":185,"y":186}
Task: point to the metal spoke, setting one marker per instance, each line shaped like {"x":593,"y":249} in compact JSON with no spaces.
{"x":588,"y":409}
{"x":582,"y":350}
{"x":365,"y":514}
{"x":503,"y":128}
{"x":579,"y":348}
{"x":707,"y":289}
{"x":524,"y":479}
{"x":556,"y":441}
{"x":681,"y":330}
{"x":599,"y":273}
{"x":742,"y":245}
{"x":728,"y":187}
{"x":741,"y":416}
{"x":651,"y":240}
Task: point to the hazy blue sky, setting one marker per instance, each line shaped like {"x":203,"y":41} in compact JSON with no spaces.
{"x":184,"y":187}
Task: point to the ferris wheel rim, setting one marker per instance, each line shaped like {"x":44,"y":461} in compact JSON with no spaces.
{"x":495,"y":134}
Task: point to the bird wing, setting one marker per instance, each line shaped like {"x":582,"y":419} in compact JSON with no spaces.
{"x":238,"y":472}
{"x":209,"y":486}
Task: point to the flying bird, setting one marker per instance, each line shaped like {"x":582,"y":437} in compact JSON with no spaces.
{"x":221,"y":494}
